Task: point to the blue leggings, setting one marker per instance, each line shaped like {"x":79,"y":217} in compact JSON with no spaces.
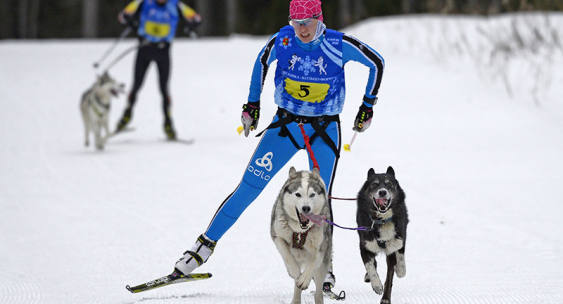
{"x":272,"y":153}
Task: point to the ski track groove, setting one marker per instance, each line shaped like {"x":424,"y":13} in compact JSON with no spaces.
{"x":116,"y":177}
{"x":16,"y":291}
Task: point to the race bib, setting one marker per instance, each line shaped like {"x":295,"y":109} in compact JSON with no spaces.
{"x":307,"y":91}
{"x":159,"y":30}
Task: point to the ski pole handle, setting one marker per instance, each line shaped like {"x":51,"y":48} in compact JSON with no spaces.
{"x":347,"y":147}
{"x":240,"y":129}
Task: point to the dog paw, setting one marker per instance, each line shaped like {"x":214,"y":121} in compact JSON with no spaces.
{"x":303,"y":281}
{"x":377,"y":286}
{"x":400,"y":268}
{"x":366,"y":278}
{"x":294,"y":273}
{"x":385,"y":301}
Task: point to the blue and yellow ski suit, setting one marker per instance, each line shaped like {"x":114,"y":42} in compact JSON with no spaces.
{"x":157,"y":25}
{"x":310,"y":89}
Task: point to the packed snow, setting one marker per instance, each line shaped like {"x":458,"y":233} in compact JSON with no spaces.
{"x":475,"y":140}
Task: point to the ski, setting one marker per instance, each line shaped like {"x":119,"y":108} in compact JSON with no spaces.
{"x":173,"y":278}
{"x":182,"y":141}
{"x":112,"y":134}
{"x":330,"y":294}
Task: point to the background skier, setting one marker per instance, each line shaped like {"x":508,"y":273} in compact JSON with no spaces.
{"x":156,"y":22}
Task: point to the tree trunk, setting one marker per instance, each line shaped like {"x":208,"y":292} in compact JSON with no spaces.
{"x":344,"y":17}
{"x":407,"y":6}
{"x":495,"y":7}
{"x":22,"y":18}
{"x":33,"y":18}
{"x":449,"y":7}
{"x":472,"y":7}
{"x":232,"y":15}
{"x":204,"y":11}
{"x":524,"y":6}
{"x":6,"y":29}
{"x":89,"y":18}
{"x":359,"y":10}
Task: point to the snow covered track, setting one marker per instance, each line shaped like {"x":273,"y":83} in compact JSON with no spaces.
{"x":481,"y":171}
{"x":17,"y":288}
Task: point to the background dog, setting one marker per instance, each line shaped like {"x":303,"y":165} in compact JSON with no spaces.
{"x":381,"y":206}
{"x":303,"y":246}
{"x":95,"y":106}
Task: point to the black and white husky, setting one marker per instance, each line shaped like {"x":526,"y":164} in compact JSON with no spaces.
{"x":381,"y":208}
{"x":306,"y":248}
{"x":95,"y":106}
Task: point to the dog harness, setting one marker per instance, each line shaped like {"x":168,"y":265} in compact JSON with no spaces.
{"x":375,"y":221}
{"x":299,"y":238}
{"x":379,"y":222}
{"x":319,"y":124}
{"x":97,"y":103}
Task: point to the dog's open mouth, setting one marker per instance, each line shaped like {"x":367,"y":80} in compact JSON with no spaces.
{"x":382,"y":204}
{"x":316,"y":218}
{"x":303,"y":220}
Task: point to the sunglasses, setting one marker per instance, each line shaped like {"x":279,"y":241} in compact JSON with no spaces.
{"x":302,"y":22}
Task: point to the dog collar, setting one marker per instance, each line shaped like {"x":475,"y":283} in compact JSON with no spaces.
{"x":377,"y":221}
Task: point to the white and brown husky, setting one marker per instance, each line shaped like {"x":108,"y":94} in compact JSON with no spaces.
{"x":306,"y":248}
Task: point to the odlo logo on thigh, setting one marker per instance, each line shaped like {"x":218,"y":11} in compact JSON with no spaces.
{"x":264,"y":162}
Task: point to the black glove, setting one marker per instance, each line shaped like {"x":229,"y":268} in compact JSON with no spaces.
{"x":129,"y":20}
{"x":250,"y":116}
{"x":363,"y":118}
{"x":191,"y":25}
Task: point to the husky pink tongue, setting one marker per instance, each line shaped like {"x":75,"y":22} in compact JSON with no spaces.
{"x":315,"y":218}
{"x":381,"y":201}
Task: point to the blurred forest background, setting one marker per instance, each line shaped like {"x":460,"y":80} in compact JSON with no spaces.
{"x":32,"y":19}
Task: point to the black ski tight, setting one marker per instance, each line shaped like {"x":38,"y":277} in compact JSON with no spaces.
{"x":160,"y":53}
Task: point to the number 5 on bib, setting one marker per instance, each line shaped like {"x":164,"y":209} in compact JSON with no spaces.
{"x":307,"y":91}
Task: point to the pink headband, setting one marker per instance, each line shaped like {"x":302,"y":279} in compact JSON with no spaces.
{"x":303,"y":9}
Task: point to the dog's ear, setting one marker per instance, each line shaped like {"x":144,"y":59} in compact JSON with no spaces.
{"x":371,"y":173}
{"x":292,"y":172}
{"x":390,"y":171}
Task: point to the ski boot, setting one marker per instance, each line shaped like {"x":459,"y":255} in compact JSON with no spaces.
{"x":329,"y":281}
{"x":125,"y":119}
{"x":169,"y":129}
{"x":200,"y":252}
